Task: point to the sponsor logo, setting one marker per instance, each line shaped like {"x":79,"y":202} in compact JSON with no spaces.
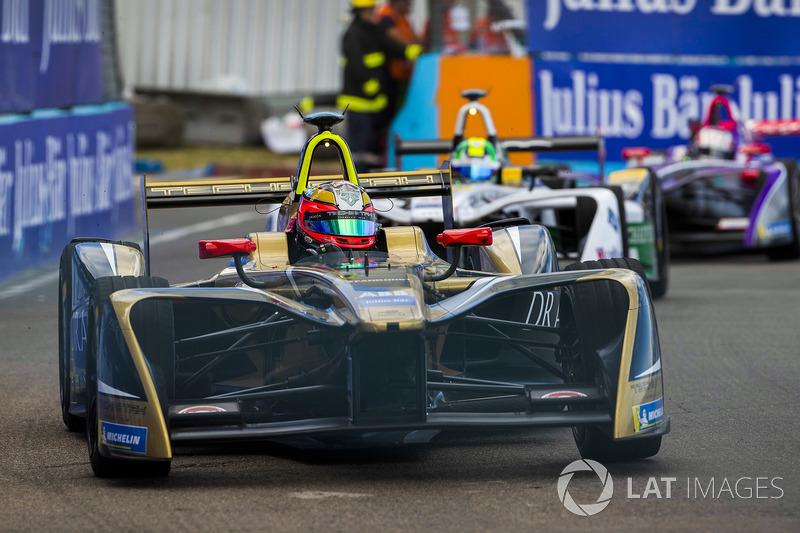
{"x":121,"y":437}
{"x":202,"y":409}
{"x":587,"y":509}
{"x":613,"y":220}
{"x":34,"y":179}
{"x":762,"y":8}
{"x":676,"y":7}
{"x":776,"y":229}
{"x":69,"y":21}
{"x":733,"y":224}
{"x":584,"y":104}
{"x":639,"y":234}
{"x":564,"y":394}
{"x":543,"y":310}
{"x":15,"y":28}
{"x":576,"y":110}
{"x":386,"y":301}
{"x":109,"y":405}
{"x":645,"y":384}
{"x":648,"y":415}
{"x":715,"y":139}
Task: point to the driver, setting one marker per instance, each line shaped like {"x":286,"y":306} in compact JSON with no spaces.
{"x":336,"y":215}
{"x":476,"y":159}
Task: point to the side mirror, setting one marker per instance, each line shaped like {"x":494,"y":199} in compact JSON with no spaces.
{"x":694,"y":127}
{"x":222,"y":247}
{"x":459,"y":238}
{"x":465,"y":237}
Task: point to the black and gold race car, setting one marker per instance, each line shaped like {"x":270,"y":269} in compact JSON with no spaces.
{"x":384,"y":342}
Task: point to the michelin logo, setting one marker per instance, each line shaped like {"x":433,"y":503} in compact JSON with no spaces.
{"x":648,"y":415}
{"x":121,"y":437}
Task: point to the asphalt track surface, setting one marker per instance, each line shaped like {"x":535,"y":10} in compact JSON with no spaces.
{"x":730,"y":336}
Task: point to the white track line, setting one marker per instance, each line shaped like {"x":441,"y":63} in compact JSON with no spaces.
{"x":185,"y":231}
{"x":164,"y":238}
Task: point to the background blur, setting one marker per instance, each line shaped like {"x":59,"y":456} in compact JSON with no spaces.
{"x":95,"y":92}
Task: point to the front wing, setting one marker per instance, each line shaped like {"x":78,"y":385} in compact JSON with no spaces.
{"x":243,"y":364}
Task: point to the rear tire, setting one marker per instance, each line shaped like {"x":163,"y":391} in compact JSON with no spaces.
{"x":619,"y":262}
{"x":658,"y":288}
{"x":594,"y":320}
{"x":73,"y":422}
{"x":792,"y":250}
{"x":103,"y":466}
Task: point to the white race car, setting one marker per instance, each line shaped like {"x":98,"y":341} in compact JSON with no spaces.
{"x":589,"y":219}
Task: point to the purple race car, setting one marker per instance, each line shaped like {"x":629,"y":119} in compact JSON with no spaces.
{"x":725,"y":190}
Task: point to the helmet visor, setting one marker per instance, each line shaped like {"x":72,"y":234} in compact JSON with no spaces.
{"x":342,"y":223}
{"x":475,"y":172}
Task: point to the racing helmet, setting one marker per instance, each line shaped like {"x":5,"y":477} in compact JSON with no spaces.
{"x":475,"y":159}
{"x":339,"y":213}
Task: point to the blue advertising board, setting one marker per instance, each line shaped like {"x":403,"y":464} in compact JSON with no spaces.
{"x":651,"y":104}
{"x":63,"y":175}
{"x":50,"y":54}
{"x":696,"y":27}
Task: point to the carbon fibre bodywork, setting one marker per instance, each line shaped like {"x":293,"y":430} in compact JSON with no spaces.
{"x":390,"y":344}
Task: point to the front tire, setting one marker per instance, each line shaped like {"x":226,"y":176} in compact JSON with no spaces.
{"x":658,"y":288}
{"x":594,"y":319}
{"x":791,"y":250}
{"x":103,"y":466}
{"x":73,"y":422}
{"x":594,"y":444}
{"x":106,"y":467}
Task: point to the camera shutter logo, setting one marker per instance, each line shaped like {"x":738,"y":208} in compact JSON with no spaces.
{"x":587,"y":509}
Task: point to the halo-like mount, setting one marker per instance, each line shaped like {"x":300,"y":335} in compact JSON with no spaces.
{"x":324,"y":120}
{"x":473,"y":95}
{"x":723,"y":90}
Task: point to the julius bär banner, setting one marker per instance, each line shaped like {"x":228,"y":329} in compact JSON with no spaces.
{"x":651,"y":104}
{"x":696,"y":27}
{"x":63,"y":175}
{"x":50,"y":54}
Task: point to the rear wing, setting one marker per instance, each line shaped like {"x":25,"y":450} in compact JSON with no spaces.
{"x":246,"y":191}
{"x":774,"y":128}
{"x":587,"y":143}
{"x":251,"y":191}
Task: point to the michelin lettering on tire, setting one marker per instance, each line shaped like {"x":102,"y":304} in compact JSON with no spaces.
{"x":587,"y":509}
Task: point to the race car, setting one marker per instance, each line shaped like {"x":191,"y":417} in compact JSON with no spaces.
{"x":337,"y":331}
{"x":589,"y":218}
{"x":725,"y":191}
